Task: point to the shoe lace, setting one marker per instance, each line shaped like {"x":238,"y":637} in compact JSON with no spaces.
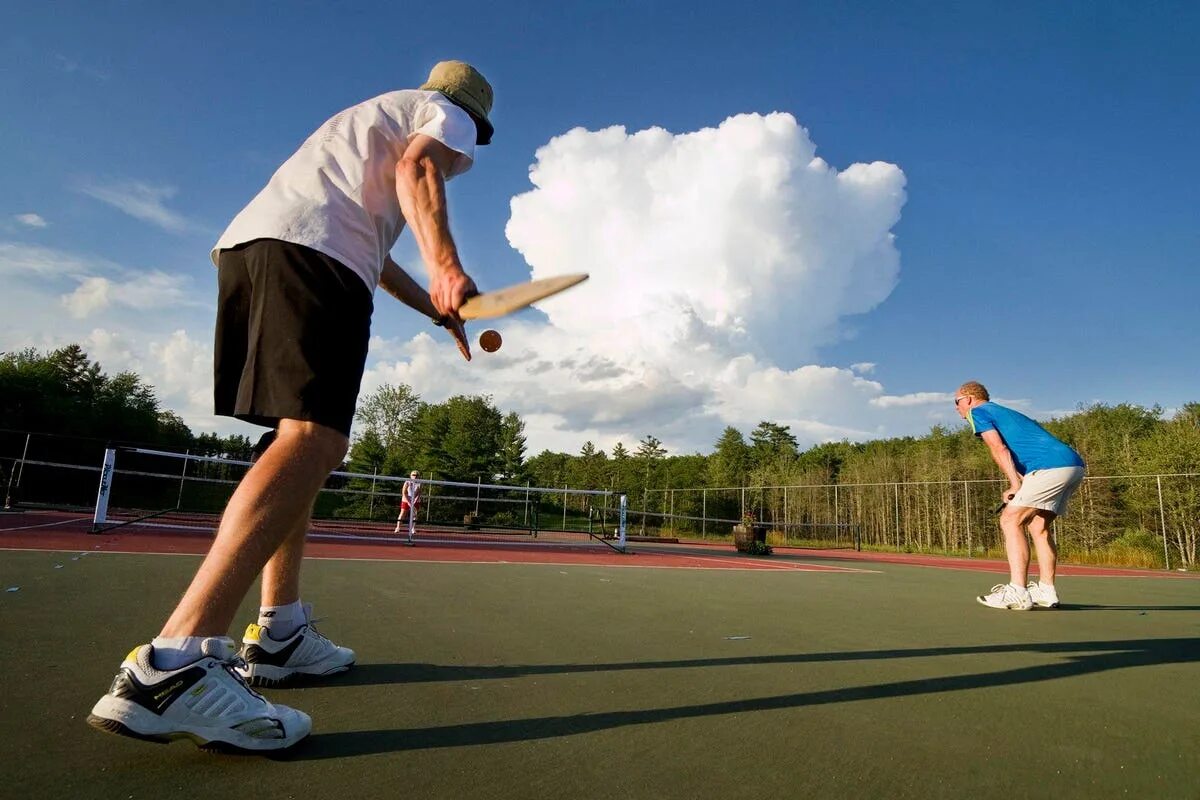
{"x":231,"y":666}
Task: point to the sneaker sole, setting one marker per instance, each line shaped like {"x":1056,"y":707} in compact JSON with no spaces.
{"x":205,"y":741}
{"x":269,"y":677}
{"x":986,"y":604}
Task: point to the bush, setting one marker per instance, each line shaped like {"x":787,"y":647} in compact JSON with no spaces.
{"x":757,"y":548}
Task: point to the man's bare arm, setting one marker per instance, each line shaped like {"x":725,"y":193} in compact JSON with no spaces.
{"x":421,"y":191}
{"x":400,"y":285}
{"x":1003,"y":458}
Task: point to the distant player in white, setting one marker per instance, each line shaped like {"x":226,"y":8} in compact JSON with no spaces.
{"x":410,"y":499}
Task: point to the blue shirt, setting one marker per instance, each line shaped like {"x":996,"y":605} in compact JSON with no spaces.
{"x":1031,"y":445}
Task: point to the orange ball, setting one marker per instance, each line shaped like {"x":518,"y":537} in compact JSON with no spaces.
{"x":490,"y":341}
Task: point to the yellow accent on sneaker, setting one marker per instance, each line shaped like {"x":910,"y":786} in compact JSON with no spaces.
{"x":253,"y":632}
{"x":133,"y":654}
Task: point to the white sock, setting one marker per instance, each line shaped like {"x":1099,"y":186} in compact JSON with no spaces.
{"x":282,"y":621}
{"x":173,"y":652}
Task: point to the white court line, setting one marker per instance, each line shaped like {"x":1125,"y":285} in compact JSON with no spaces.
{"x":438,"y":561}
{"x":788,"y":565}
{"x":44,"y":524}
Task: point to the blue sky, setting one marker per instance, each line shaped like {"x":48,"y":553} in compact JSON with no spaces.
{"x":1047,"y":237}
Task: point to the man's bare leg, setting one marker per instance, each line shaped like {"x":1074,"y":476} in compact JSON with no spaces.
{"x":1012,"y":522}
{"x":281,"y":575}
{"x":270,"y":505}
{"x":1040,"y":528}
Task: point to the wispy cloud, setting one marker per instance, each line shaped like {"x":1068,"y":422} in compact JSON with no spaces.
{"x":72,"y":66}
{"x":25,"y":260}
{"x":914,"y":399}
{"x":863,"y":367}
{"x":98,"y":283}
{"x":31,"y":220}
{"x":144,"y":201}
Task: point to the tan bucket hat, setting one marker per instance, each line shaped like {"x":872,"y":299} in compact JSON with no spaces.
{"x":464,"y":86}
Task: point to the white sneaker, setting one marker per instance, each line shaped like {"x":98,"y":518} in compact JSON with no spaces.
{"x":206,"y":701}
{"x":1005,"y":595}
{"x":1043,"y":595}
{"x":306,"y":653}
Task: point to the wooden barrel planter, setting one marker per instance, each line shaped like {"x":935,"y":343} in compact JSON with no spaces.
{"x":745,"y":535}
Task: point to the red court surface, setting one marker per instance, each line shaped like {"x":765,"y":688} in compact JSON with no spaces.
{"x":69,"y":532}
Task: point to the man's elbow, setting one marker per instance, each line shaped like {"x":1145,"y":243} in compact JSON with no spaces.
{"x":412,"y":170}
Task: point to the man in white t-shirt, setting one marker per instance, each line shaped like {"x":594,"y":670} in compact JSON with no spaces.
{"x":410,"y":499}
{"x":297,"y":269}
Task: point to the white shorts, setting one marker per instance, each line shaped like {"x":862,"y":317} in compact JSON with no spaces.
{"x":1048,"y":489}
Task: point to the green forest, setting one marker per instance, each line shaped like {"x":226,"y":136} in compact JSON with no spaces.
{"x":918,"y":493}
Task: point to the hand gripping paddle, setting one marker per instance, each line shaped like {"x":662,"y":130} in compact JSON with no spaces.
{"x":514,"y":298}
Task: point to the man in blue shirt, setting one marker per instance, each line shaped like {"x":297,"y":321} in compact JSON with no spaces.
{"x":1042,"y":475}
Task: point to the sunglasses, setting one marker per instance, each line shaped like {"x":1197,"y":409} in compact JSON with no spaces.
{"x":960,"y":398}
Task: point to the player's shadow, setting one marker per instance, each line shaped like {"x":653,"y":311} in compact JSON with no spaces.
{"x":1087,"y":607}
{"x":1079,"y":658}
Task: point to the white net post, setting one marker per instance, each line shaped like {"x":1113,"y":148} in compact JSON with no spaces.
{"x":106,"y":473}
{"x":621,"y":523}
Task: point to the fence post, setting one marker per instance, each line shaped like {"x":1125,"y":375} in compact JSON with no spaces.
{"x":703,"y":512}
{"x":429,"y":505}
{"x":526,"y":502}
{"x":836,"y":508}
{"x":897,"y":488}
{"x":371,"y":504}
{"x":24,"y":453}
{"x":785,"y":512}
{"x":1162,"y":516}
{"x":672,"y":517}
{"x":644,"y":507}
{"x":967,"y":503}
{"x":564,"y":527}
{"x":12,"y":473}
{"x":478,"y":483}
{"x":182,"y":478}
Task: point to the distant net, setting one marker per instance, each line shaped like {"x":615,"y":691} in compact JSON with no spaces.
{"x":179,"y":491}
{"x":802,"y":519}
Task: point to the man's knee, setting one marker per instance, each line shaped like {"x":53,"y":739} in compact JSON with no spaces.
{"x":1014,"y":515}
{"x":319,"y":445}
{"x":1041,"y":523}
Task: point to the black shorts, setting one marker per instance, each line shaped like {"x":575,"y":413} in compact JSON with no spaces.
{"x":293,"y":326}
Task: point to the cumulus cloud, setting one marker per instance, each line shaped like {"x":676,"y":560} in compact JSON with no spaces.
{"x":721,"y":260}
{"x":31,"y":220}
{"x":140,"y":200}
{"x":178,"y":366}
{"x":142,"y":291}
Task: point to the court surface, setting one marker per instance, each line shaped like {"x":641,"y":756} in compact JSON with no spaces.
{"x":675,"y":672}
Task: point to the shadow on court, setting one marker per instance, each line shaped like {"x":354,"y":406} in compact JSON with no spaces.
{"x":1082,"y":658}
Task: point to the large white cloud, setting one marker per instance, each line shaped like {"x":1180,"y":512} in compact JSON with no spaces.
{"x":720,"y":261}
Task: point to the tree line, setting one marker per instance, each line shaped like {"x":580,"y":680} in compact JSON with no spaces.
{"x":930,"y":492}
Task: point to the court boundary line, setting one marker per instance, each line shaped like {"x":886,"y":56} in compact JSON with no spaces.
{"x":815,"y":567}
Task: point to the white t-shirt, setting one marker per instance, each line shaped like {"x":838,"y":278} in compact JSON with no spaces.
{"x":411,"y":491}
{"x":337,"y":193}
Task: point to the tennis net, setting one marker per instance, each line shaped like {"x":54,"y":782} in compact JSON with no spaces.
{"x":181,"y":491}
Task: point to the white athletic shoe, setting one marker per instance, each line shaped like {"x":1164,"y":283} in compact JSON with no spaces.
{"x":1005,"y":595}
{"x":206,"y":701}
{"x":306,"y":653}
{"x":1043,"y":595}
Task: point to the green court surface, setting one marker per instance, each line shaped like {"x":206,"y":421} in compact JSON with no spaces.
{"x":514,"y":680}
